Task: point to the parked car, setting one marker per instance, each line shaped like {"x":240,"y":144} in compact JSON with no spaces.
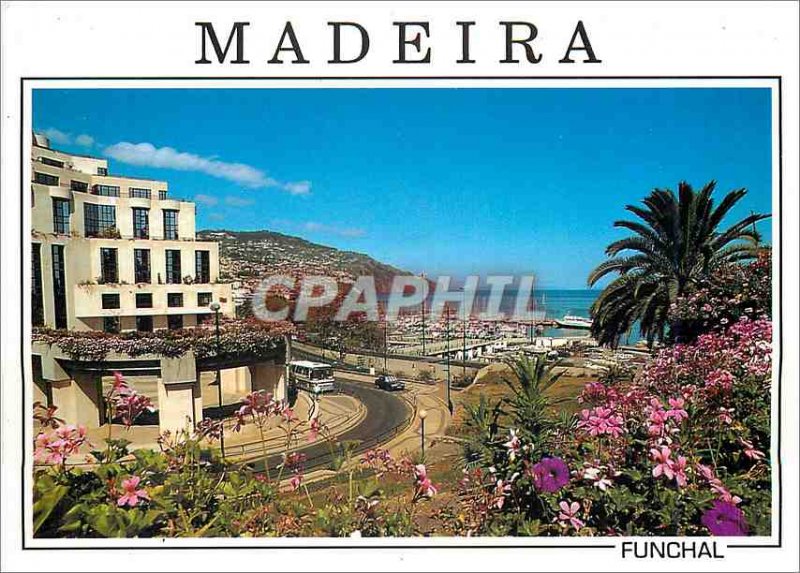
{"x":389,"y":383}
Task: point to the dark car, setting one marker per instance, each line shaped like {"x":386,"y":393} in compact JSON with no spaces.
{"x":389,"y":383}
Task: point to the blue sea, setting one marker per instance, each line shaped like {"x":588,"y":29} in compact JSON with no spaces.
{"x":554,"y":304}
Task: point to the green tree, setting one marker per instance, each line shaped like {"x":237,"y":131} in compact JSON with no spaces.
{"x":675,"y":243}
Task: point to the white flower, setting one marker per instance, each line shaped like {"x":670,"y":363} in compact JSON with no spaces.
{"x":356,"y":533}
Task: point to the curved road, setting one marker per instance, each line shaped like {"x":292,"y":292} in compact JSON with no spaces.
{"x":385,"y":411}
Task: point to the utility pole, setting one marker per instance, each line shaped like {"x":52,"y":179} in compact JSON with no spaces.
{"x":385,"y":344}
{"x":464,"y":333}
{"x":447,"y":357}
{"x":423,"y":322}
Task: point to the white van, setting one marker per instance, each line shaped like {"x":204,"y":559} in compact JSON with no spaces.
{"x":314,"y":377}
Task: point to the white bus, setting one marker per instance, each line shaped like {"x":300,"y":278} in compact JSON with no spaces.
{"x":314,"y":377}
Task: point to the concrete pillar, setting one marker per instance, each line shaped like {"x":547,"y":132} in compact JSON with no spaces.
{"x":236,"y":380}
{"x":180,"y":400}
{"x":78,"y":399}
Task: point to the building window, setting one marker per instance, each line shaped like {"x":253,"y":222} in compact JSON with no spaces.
{"x":99,"y":219}
{"x":144,"y":300}
{"x":141,"y":223}
{"x":204,"y":298}
{"x":202,"y":267}
{"x":144,"y":323}
{"x":44,"y":178}
{"x":110,"y":301}
{"x":59,"y":286}
{"x":106,"y":190}
{"x":175,"y":321}
{"x":108,"y":266}
{"x":52,"y":162}
{"x":174,"y":299}
{"x":111,"y":324}
{"x":102,"y":170}
{"x":173,"y":266}
{"x":170,"y":224}
{"x":138,"y":193}
{"x":60,"y":215}
{"x":141,"y":265}
{"x":204,"y":319}
{"x":37,"y":297}
{"x":81,"y":186}
{"x":162,"y":194}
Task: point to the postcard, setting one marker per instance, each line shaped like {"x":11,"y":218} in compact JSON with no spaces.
{"x":400,"y":286}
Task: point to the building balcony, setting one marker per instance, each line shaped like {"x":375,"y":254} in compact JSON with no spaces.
{"x":88,"y":299}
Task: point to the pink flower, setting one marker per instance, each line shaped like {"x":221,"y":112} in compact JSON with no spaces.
{"x":750,"y":451}
{"x":679,"y":467}
{"x":513,"y":444}
{"x":602,"y":420}
{"x":569,"y":514}
{"x":131,"y":495}
{"x":57,"y":446}
{"x":295,"y":481}
{"x":424,"y":486}
{"x":658,"y":419}
{"x":314,"y":428}
{"x":663,"y":463}
{"x":676,"y":410}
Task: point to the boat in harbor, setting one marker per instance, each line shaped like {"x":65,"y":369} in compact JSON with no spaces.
{"x":570,"y":321}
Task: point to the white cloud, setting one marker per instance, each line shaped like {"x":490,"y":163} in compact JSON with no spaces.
{"x":57,"y":136}
{"x":84,"y":140}
{"x":298,"y":188}
{"x":238,"y":201}
{"x":203,"y":199}
{"x":147,"y":154}
{"x":62,"y":138}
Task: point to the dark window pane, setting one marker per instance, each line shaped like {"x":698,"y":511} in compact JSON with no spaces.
{"x":202,"y":267}
{"x":45,"y":178}
{"x":102,"y":171}
{"x":170,"y":224}
{"x":60,"y":215}
{"x":99,"y":220}
{"x":108,"y":266}
{"x":59,"y":286}
{"x":144,"y":300}
{"x":141,"y":265}
{"x":174,"y":299}
{"x":141,"y":223}
{"x":144,"y":323}
{"x":137,"y":192}
{"x":173,"y":266}
{"x":111,"y":324}
{"x":106,"y":190}
{"x":203,"y":298}
{"x":175,"y":321}
{"x":79,"y":186}
{"x":110,"y":301}
{"x":162,"y":194}
{"x":37,"y":296}
{"x":51,"y":162}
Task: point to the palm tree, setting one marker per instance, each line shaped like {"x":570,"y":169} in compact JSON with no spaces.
{"x":674,"y":244}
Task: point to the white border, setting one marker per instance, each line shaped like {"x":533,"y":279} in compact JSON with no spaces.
{"x":406,"y":84}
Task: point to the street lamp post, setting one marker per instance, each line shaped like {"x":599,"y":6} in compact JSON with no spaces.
{"x":422,"y":415}
{"x":464,"y":333}
{"x":215,"y":307}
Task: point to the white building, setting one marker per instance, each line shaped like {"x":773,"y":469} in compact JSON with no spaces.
{"x":115,"y":253}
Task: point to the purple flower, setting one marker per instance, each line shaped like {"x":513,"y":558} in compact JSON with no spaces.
{"x":725,"y":519}
{"x":550,"y":474}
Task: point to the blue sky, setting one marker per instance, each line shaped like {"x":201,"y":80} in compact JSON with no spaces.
{"x":437,"y":180}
